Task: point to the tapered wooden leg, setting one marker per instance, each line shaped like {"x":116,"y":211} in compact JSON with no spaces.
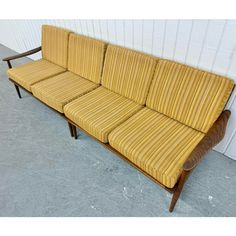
{"x":18,"y":90}
{"x":178,"y":189}
{"x":71,"y":129}
{"x":74,"y":131}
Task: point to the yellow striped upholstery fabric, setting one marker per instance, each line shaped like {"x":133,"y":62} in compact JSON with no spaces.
{"x":128,"y":73}
{"x":86,"y":57}
{"x":33,"y":72}
{"x":193,"y":97}
{"x":55,"y":44}
{"x":62,"y":89}
{"x":156,"y":143}
{"x":100,"y":111}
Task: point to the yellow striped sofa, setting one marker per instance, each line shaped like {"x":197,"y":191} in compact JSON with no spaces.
{"x":159,"y":115}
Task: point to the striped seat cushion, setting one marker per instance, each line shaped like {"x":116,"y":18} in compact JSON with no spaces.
{"x":128,"y":73}
{"x":156,"y":143}
{"x":55,"y":44}
{"x":62,"y":89}
{"x":86,"y":57}
{"x":193,"y":97}
{"x":100,"y":111}
{"x":33,"y":72}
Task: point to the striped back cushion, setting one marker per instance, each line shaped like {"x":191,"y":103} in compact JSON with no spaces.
{"x":128,"y":73}
{"x":86,"y":57}
{"x":55,"y":44}
{"x":194,"y":97}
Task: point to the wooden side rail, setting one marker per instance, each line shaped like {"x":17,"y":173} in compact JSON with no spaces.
{"x":213,"y":137}
{"x":24,"y":54}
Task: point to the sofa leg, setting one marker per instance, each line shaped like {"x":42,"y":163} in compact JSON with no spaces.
{"x":178,"y":189}
{"x":74,"y":131}
{"x":18,"y":90}
{"x":71,"y":129}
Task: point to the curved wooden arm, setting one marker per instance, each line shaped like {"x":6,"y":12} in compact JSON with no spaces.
{"x":22,"y":54}
{"x":213,"y":137}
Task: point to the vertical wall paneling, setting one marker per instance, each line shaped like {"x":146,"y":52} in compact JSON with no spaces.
{"x":128,"y":34}
{"x":138,"y":35}
{"x":231,"y":150}
{"x":203,"y":36}
{"x":176,"y":40}
{"x":182,"y":40}
{"x":218,"y":48}
{"x":227,"y":143}
{"x":111,"y":24}
{"x":158,"y":37}
{"x":211,"y":44}
{"x":96,"y":29}
{"x":230,"y":139}
{"x":206,"y":44}
{"x":120,"y":32}
{"x":104,"y":29}
{"x":170,"y":38}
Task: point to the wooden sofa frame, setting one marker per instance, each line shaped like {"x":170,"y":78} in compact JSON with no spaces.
{"x":213,"y":137}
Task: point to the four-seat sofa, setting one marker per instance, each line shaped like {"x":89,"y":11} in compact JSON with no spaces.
{"x":159,"y":115}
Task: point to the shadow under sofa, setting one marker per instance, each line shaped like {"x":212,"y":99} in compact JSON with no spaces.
{"x":160,"y":116}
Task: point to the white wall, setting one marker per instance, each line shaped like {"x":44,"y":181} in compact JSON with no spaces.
{"x":206,"y":44}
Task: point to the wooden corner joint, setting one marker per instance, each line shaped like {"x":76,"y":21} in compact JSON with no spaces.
{"x":215,"y":134}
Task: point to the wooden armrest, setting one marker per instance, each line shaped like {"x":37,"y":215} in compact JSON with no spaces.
{"x":214,"y":136}
{"x":22,"y":54}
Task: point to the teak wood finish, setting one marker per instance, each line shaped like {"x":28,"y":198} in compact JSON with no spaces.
{"x":213,"y":137}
